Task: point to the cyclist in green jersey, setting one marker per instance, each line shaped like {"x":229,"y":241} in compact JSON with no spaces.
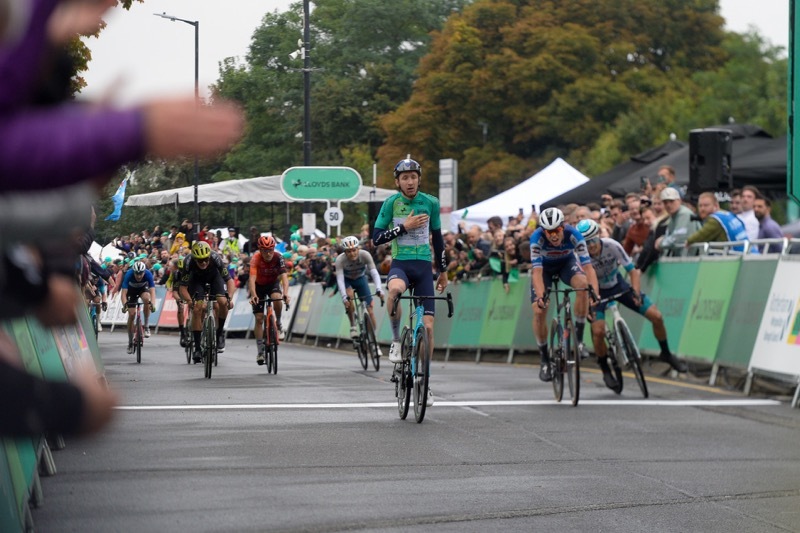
{"x":409,"y":220}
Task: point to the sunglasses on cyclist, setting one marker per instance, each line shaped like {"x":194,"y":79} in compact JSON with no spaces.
{"x":203,"y":261}
{"x":267,"y":250}
{"x":555,"y":231}
{"x":593,"y":240}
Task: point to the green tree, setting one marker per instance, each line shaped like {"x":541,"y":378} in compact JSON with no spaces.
{"x":548,"y":77}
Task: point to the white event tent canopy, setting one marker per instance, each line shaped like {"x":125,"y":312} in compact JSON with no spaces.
{"x":555,"y":179}
{"x":265,"y":189}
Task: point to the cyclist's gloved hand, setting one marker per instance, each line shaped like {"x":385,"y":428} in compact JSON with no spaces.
{"x":542,"y":303}
{"x":637,"y":299}
{"x":230,"y":301}
{"x":152,"y":308}
{"x":104,"y":306}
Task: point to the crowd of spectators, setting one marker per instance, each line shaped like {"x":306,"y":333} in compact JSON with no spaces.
{"x":658,"y":220}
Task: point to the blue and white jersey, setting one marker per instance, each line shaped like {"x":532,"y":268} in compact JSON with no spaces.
{"x":131,"y":283}
{"x":612,"y":256}
{"x":542,"y":251}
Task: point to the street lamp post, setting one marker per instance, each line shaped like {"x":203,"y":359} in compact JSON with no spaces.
{"x":196,"y":24}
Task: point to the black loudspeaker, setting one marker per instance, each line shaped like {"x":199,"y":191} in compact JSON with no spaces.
{"x":710,"y":152}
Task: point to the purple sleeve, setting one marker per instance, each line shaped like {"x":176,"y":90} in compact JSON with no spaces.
{"x":20,"y":62}
{"x":64,"y":145}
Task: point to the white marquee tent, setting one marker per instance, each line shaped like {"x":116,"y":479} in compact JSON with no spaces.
{"x":555,"y":179}
{"x":253,"y":190}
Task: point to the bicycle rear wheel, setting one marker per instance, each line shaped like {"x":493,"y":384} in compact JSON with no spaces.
{"x":371,"y":342}
{"x":94,"y":320}
{"x":403,"y":375}
{"x":421,"y":374}
{"x":273,"y":344}
{"x":573,"y":363}
{"x":210,"y":348}
{"x":189,"y":347}
{"x":632,"y":355}
{"x":556,"y":359}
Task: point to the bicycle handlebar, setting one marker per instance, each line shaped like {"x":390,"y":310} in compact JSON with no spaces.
{"x":448,"y":298}
{"x":282,"y":299}
{"x":359,"y":298}
{"x":613,"y":296}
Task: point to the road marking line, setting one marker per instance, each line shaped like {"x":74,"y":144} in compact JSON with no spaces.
{"x":440,"y":403}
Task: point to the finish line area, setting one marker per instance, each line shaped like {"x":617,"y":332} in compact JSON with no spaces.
{"x":441,"y":404}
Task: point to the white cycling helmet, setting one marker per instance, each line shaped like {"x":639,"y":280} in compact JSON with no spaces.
{"x":350,"y":243}
{"x":551,"y":218}
{"x":139,"y":267}
{"x":589,"y":229}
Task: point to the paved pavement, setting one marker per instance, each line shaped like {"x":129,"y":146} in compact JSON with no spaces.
{"x":320,"y":447}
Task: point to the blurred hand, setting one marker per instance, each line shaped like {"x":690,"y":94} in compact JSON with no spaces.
{"x":415,"y":221}
{"x":179,"y":127}
{"x":77,"y":17}
{"x":98,"y":400}
{"x":59,"y":308}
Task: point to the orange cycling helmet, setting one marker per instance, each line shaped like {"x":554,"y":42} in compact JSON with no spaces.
{"x":266,"y":242}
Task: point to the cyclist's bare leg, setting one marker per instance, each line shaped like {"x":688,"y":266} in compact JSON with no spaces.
{"x":146,"y":299}
{"x":197,"y":315}
{"x":599,"y":338}
{"x":258,"y":331}
{"x":221,"y":308}
{"x":656,"y":318}
{"x":539,"y":324}
{"x":427,"y":320}
{"x":396,"y":287}
{"x":578,"y":281}
{"x":277,"y":306}
{"x":131,"y":315}
{"x":371,"y":310}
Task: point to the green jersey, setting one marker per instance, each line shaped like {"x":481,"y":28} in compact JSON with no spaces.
{"x":416,"y":243}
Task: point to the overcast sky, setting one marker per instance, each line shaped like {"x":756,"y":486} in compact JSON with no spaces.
{"x":139,"y":55}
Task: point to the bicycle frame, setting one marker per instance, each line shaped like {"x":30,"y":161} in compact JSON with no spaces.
{"x":621,"y":343}
{"x":270,"y":343}
{"x":564,"y":357}
{"x":366,"y":345}
{"x":411,"y":375}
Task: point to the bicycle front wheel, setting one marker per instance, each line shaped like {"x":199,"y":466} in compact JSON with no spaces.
{"x":632,"y":355}
{"x":138,"y":340}
{"x":361,"y":348}
{"x":210,"y":348}
{"x":402,"y":374}
{"x":573,"y":363}
{"x":273,"y":344}
{"x":556,"y":359}
{"x":421,"y":374}
{"x":189,"y":347}
{"x":372,"y":342}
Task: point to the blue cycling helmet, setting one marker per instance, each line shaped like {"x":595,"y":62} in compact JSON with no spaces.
{"x":589,"y":229}
{"x":407,"y":165}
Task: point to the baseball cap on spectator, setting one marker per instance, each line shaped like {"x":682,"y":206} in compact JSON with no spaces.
{"x":165,"y":234}
{"x":670,"y":194}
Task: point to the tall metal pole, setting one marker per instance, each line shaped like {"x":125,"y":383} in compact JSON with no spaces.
{"x":197,"y":104}
{"x":306,"y":93}
{"x":196,"y":24}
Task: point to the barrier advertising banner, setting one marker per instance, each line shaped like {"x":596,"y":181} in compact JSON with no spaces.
{"x":708,"y":309}
{"x":501,"y":316}
{"x":304,"y":308}
{"x":745,"y":311}
{"x":168,"y":317}
{"x":777,"y":346}
{"x":46,"y":350}
{"x":673,"y":287}
{"x":468,"y":319}
{"x":241,"y":317}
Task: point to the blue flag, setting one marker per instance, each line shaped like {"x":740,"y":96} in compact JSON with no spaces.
{"x":118,"y":199}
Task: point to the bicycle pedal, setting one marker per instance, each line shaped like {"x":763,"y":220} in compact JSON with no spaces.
{"x":394,"y":378}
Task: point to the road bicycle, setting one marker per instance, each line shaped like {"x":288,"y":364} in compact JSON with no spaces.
{"x":138,"y":332}
{"x":622,"y":348}
{"x":94,"y":316}
{"x":366,"y":345}
{"x":208,"y":336}
{"x":413,"y":373}
{"x":564,"y":356}
{"x":271,"y":335}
